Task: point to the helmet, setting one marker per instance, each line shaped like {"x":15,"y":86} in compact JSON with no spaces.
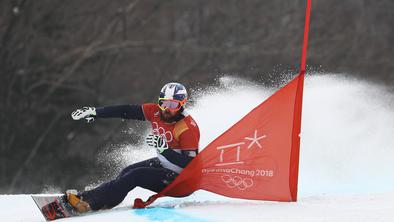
{"x":173,"y":92}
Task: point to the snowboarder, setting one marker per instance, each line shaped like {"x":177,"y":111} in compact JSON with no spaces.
{"x":175,"y":136}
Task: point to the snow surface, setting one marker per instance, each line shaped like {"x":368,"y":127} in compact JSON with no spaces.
{"x":346,"y":167}
{"x":205,"y":207}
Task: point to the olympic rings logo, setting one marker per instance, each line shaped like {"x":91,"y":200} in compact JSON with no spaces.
{"x":238,"y":182}
{"x":162,"y":132}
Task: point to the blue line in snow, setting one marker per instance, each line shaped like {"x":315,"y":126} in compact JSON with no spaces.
{"x":167,"y":214}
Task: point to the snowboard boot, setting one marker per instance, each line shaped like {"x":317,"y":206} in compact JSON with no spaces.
{"x":75,"y":201}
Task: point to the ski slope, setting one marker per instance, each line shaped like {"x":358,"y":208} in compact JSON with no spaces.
{"x":346,"y":167}
{"x":204,"y":207}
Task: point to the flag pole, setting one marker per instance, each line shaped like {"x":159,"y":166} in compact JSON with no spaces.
{"x":295,"y":148}
{"x":306,"y":33}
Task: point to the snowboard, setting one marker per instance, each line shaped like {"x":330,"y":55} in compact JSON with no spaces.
{"x":54,"y":207}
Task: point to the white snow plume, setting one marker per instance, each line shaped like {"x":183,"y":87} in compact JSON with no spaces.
{"x":49,"y":189}
{"x":347,"y":143}
{"x":119,"y":156}
{"x":347,"y":137}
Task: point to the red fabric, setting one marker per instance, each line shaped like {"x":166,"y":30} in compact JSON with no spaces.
{"x":189,"y":140}
{"x":253,"y":159}
{"x":183,"y":134}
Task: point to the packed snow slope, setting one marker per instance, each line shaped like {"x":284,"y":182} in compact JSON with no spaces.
{"x":346,"y":167}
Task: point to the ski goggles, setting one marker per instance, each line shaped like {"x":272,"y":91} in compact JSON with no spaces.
{"x":169,"y":104}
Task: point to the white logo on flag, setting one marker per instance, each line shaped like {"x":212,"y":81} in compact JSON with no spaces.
{"x":222,"y":148}
{"x":237,"y":182}
{"x":255,"y":140}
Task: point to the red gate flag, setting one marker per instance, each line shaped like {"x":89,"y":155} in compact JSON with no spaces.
{"x":257,"y":158}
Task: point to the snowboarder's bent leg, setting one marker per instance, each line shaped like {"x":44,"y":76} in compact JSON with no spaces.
{"x":112,"y":193}
{"x":153,"y":162}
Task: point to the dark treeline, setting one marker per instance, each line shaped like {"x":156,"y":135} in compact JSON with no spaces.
{"x":58,"y":55}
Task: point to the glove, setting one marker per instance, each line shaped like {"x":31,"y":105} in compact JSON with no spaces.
{"x":156,"y":141}
{"x":86,"y":113}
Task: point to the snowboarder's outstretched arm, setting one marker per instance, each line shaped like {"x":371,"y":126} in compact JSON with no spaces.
{"x":121,"y":111}
{"x":118,"y":111}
